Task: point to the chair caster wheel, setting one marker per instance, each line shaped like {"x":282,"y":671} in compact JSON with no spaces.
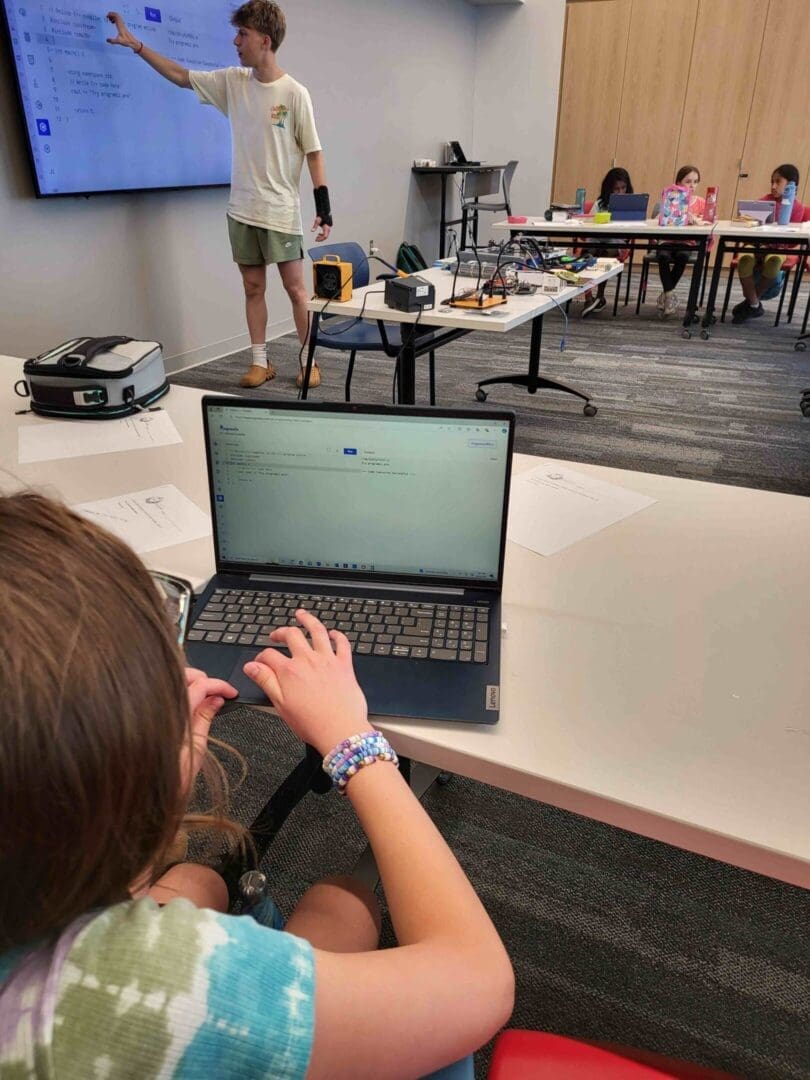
{"x":590,"y":410}
{"x":443,"y":779}
{"x":686,"y":333}
{"x":704,"y":334}
{"x":804,"y":405}
{"x":480,"y":395}
{"x":800,"y":346}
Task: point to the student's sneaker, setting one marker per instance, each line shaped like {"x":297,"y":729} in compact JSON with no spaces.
{"x":748,"y":312}
{"x":314,"y":377}
{"x":671,"y":304}
{"x":594,"y":303}
{"x":256,"y":375}
{"x":739,"y":308}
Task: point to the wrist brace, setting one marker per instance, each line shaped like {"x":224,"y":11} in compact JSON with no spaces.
{"x":322,"y":208}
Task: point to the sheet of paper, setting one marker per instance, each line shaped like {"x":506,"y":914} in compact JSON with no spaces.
{"x":58,"y":439}
{"x":553,"y":506}
{"x":147,"y":520}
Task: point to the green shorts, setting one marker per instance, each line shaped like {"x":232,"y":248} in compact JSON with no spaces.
{"x":253,"y":246}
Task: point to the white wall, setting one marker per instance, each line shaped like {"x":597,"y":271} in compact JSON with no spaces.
{"x":391,"y":80}
{"x":517,"y":82}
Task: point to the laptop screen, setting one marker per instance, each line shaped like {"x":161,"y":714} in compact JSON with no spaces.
{"x":359,"y":493}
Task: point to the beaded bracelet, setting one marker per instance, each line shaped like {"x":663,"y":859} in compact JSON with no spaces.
{"x":353,"y":754}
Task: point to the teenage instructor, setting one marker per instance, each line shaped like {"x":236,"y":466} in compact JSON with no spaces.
{"x":272,"y":131}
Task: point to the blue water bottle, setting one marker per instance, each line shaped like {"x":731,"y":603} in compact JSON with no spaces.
{"x":786,"y":205}
{"x":580,"y":199}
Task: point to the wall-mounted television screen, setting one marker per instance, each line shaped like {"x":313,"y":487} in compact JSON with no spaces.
{"x":97,"y":117}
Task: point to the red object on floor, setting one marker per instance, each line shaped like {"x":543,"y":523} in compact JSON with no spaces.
{"x":538,"y":1055}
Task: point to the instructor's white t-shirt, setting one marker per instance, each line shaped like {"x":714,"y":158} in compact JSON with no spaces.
{"x":272,"y":130}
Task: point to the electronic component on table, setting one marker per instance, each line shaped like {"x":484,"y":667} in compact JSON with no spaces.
{"x":411,"y":293}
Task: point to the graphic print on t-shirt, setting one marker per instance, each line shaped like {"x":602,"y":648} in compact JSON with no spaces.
{"x":278,"y":115}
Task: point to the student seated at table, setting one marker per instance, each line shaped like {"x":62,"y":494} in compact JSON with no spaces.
{"x":615,"y":182}
{"x":761,"y":274}
{"x":102,"y":736}
{"x":672,"y":258}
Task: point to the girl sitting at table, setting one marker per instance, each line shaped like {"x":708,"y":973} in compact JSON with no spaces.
{"x":761,"y":274}
{"x":672,"y":258}
{"x":111,"y":965}
{"x":616,"y":181}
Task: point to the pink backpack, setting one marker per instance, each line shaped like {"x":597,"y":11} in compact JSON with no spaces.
{"x":674,"y":205}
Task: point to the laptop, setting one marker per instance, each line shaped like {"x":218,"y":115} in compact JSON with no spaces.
{"x":762,"y":210}
{"x":459,"y":155}
{"x":628,"y":207}
{"x":387,"y":522}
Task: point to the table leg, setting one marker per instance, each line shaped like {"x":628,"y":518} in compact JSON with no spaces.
{"x":313,"y":340}
{"x":708,"y":314}
{"x":694,"y":288}
{"x":533,"y":380}
{"x":629,"y":271}
{"x":797,"y":282}
{"x":618,"y":290}
{"x":406,"y":366}
{"x":442,"y":215}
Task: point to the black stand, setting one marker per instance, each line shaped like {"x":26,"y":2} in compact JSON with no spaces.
{"x":532,"y":380}
{"x":307,"y":776}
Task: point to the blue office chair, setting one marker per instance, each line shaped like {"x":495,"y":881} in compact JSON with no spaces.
{"x":350,"y":335}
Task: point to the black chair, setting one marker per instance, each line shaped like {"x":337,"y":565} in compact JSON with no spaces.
{"x":651,"y":257}
{"x":787,"y":267}
{"x":355,"y":335}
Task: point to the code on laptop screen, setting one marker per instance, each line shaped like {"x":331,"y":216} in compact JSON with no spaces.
{"x":398,"y":494}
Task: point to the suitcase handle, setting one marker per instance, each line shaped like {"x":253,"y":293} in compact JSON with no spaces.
{"x":91,"y":347}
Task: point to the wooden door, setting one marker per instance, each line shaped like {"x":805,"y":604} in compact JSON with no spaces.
{"x":779,"y":126}
{"x":593,"y":69}
{"x":654,"y":91}
{"x":720,"y":92}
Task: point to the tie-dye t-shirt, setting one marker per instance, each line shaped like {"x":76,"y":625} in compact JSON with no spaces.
{"x":142,"y":991}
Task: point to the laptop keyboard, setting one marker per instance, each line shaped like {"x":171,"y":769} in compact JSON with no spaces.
{"x":374,"y":627}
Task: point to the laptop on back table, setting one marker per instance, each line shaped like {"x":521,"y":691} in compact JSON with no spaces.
{"x":389,"y":523}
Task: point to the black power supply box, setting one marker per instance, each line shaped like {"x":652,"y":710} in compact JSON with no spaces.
{"x":412,"y":293}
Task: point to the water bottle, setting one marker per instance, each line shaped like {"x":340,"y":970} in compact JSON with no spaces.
{"x":710,"y":212}
{"x":786,"y":205}
{"x":580,"y":199}
{"x":257,"y":902}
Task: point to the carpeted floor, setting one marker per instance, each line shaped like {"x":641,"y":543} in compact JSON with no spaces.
{"x":613,"y":936}
{"x":725,"y":410}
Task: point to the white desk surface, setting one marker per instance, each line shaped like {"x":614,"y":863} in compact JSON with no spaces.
{"x":516,"y":311}
{"x":654,"y":675}
{"x":796,"y":231}
{"x":587,"y":227}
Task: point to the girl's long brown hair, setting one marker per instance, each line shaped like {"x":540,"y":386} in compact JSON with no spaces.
{"x":93,"y":716}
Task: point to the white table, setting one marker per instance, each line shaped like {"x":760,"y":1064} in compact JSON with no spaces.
{"x":654,"y":675}
{"x":788,"y":239}
{"x":646,"y":235}
{"x":369,"y":303}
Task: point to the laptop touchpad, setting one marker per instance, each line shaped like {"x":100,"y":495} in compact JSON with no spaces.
{"x":249,"y":692}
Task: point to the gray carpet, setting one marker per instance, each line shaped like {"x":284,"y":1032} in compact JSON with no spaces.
{"x":725,"y":410}
{"x":613,"y":936}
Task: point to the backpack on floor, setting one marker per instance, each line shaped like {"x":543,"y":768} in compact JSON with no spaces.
{"x":410,"y":259}
{"x":95,"y":378}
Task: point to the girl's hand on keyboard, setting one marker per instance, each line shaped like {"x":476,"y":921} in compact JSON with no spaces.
{"x":314,"y":689}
